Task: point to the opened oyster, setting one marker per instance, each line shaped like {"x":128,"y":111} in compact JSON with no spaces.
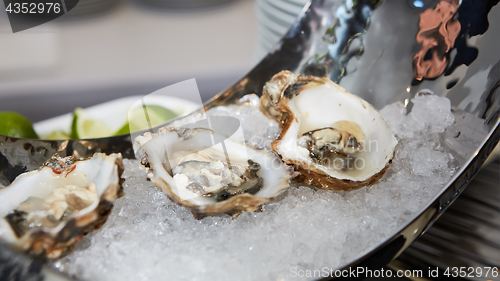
{"x":334,"y":139}
{"x":210,"y":174}
{"x":48,"y":210}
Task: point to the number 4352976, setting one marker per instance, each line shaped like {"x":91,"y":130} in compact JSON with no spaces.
{"x":33,"y":8}
{"x":478,"y":272}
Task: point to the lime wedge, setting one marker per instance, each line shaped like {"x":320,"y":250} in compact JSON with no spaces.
{"x":84,"y":127}
{"x":58,"y":135}
{"x":15,"y":125}
{"x":123,"y":130}
{"x":146,"y":117}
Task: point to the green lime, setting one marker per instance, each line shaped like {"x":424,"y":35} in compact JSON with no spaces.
{"x":123,"y":130}
{"x":146,"y":117}
{"x":15,"y":125}
{"x":84,"y":127}
{"x":58,"y":135}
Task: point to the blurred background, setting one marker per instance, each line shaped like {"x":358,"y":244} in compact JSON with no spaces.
{"x":106,"y":49}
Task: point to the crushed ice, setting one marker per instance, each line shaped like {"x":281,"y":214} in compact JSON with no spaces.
{"x":147,"y":237}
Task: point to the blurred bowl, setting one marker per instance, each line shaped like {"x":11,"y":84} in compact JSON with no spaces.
{"x":114,"y":113}
{"x":85,"y":7}
{"x":184,"y":3}
{"x":274,"y":18}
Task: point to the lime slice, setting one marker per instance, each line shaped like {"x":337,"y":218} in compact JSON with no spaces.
{"x":123,"y":130}
{"x":146,"y":117}
{"x":84,"y":127}
{"x":15,"y":125}
{"x":58,"y":135}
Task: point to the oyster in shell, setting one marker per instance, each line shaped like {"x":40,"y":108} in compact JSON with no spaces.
{"x":47,"y":211}
{"x":210,"y":177}
{"x":334,"y":139}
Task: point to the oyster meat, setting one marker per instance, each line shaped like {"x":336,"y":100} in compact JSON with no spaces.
{"x":47,"y":211}
{"x":334,"y":139}
{"x":210,"y":177}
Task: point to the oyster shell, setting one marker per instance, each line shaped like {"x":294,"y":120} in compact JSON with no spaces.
{"x":334,"y":139}
{"x":211,"y":177}
{"x":47,"y":211}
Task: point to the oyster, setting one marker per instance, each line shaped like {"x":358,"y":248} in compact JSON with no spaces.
{"x":210,"y":177}
{"x":47,"y":211}
{"x":334,"y":140}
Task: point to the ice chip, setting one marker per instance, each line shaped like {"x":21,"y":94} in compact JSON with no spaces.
{"x":433,"y":112}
